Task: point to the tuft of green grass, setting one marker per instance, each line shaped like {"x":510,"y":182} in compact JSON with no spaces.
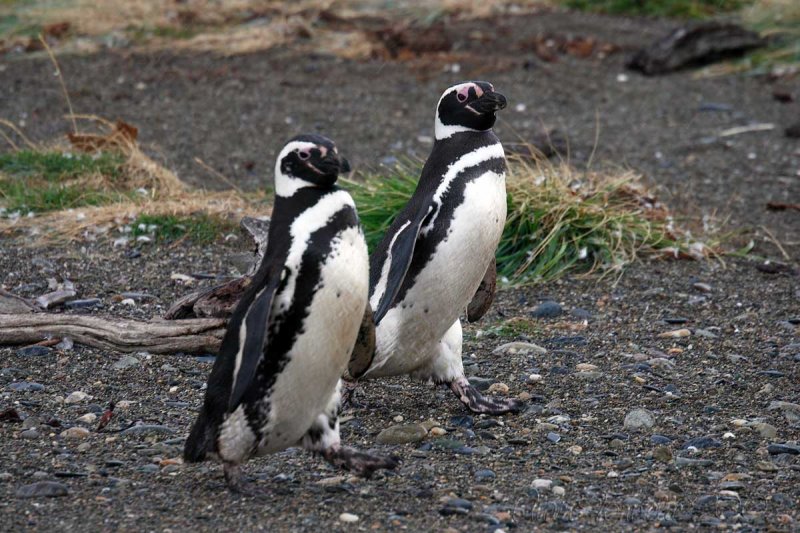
{"x":559,"y":220}
{"x":201,"y":228}
{"x":689,"y":9}
{"x":52,"y":181}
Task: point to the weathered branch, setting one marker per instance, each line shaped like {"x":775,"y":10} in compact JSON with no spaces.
{"x":156,"y":336}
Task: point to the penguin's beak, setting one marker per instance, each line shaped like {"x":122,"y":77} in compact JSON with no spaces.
{"x":332,"y":164}
{"x":490,"y":102}
{"x":344,"y":166}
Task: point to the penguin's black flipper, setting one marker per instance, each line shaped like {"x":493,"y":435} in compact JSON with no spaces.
{"x":256,"y":328}
{"x":400,"y":251}
{"x":364,"y":349}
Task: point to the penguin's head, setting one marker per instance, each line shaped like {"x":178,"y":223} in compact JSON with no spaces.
{"x":308,"y":161}
{"x":468,"y":106}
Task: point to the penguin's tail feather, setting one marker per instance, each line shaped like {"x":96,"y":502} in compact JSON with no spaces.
{"x":200,"y":440}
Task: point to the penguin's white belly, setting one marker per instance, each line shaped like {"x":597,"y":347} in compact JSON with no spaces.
{"x":322,"y":351}
{"x":408,"y":335}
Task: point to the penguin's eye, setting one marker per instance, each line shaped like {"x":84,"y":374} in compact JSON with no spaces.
{"x":461,"y":97}
{"x":303,"y":155}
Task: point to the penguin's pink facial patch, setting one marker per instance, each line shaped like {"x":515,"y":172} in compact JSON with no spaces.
{"x":463,"y":93}
{"x":322,"y":151}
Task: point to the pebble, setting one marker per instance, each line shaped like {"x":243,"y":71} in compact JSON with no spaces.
{"x":26,"y":386}
{"x":553,"y":437}
{"x":402,"y":434}
{"x":42,"y":489}
{"x":547,"y":309}
{"x":484,"y":475}
{"x":639,"y":419}
{"x":31,"y":433}
{"x":88,"y":418}
{"x":348,"y":518}
{"x":585,"y":367}
{"x":767,"y":431}
{"x":662,"y":453}
{"x":480,"y":383}
{"x":462,"y":421}
{"x":541,"y":483}
{"x":83,"y":304}
{"x":675,"y":334}
{"x":438,"y":431}
{"x":686,"y":461}
{"x":126,"y":361}
{"x":775,"y":449}
{"x":498,"y":388}
{"x":75,"y":433}
{"x":660,"y":439}
{"x":34,"y":351}
{"x":522,"y":348}
{"x":75,"y":397}
{"x":535,"y":378}
{"x":559,"y":491}
{"x":702,"y":287}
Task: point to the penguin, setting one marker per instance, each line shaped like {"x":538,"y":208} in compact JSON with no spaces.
{"x":276,"y":381}
{"x":439,"y":249}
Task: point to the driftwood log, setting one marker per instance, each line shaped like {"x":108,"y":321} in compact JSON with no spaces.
{"x":695,"y":45}
{"x":156,"y":336}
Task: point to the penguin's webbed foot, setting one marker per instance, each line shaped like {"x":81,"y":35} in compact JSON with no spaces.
{"x":360,"y":463}
{"x":235,"y":480}
{"x":480,"y":404}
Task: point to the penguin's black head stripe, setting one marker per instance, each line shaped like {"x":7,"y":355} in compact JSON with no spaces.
{"x":470,"y":105}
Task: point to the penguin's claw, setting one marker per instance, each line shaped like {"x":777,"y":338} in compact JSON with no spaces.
{"x":480,"y":404}
{"x":360,"y":463}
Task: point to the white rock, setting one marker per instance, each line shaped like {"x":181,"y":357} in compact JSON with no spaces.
{"x":520,"y":348}
{"x":88,"y":418}
{"x":75,"y":397}
{"x":542,"y":483}
{"x":348,"y":518}
{"x":535,"y":378}
{"x":558,"y":490}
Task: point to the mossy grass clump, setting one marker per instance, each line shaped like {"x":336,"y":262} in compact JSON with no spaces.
{"x":559,"y":219}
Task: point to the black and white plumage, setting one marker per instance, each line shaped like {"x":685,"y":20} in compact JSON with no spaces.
{"x":430,"y":263}
{"x":276,"y":381}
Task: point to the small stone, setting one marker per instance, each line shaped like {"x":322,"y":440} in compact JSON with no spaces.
{"x":541,"y":484}
{"x":660,"y":439}
{"x":585,"y":367}
{"x":498,"y":388}
{"x":480,"y":383}
{"x":402,"y":434}
{"x":126,"y":361}
{"x":83,"y":304}
{"x":702,"y":287}
{"x":462,"y":421}
{"x":767,"y":431}
{"x":484,"y":475}
{"x":348,"y":518}
{"x":42,"y":489}
{"x":522,"y":348}
{"x":75,"y":433}
{"x":398,"y":418}
{"x":75,"y":397}
{"x":535,"y":378}
{"x":617,"y":444}
{"x":438,"y":432}
{"x":31,"y":422}
{"x":559,"y":491}
{"x":662,"y":453}
{"x":639,"y":419}
{"x":31,"y":434}
{"x":553,"y":437}
{"x":766,"y":466}
{"x":88,"y":418}
{"x":26,"y":386}
{"x":84,"y":446}
{"x":775,"y":449}
{"x":547,"y":309}
{"x":575,"y":449}
{"x":34,"y":351}
{"x":675,"y":334}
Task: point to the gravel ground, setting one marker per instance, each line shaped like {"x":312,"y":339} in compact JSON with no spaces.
{"x":716,"y":444}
